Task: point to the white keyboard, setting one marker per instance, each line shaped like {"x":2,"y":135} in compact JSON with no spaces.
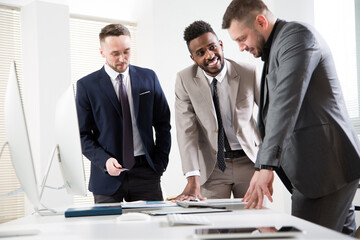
{"x":187,"y":219}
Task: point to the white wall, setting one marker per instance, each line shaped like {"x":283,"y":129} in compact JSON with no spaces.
{"x":161,"y":47}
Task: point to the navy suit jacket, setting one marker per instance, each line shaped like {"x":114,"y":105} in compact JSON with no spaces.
{"x":100,"y":123}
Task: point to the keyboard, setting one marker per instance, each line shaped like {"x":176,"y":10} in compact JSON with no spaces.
{"x":187,"y":219}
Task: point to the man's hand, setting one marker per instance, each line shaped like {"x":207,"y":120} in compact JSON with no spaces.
{"x":191,"y":191}
{"x":113,"y":167}
{"x":251,"y":186}
{"x":263,"y":186}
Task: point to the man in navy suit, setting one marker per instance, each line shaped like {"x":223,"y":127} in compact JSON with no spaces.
{"x":117,"y":103}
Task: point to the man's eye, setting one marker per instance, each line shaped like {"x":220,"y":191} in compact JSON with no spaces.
{"x":200,"y":53}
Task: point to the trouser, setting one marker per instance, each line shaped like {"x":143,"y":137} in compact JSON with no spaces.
{"x":235,"y":179}
{"x":333,"y":211}
{"x":140,"y":183}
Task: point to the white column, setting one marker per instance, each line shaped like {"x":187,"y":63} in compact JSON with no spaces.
{"x":46,"y":54}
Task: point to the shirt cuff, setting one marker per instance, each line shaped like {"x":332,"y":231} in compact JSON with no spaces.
{"x":192,"y":173}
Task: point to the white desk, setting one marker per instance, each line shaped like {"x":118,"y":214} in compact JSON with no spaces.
{"x":106,"y":227}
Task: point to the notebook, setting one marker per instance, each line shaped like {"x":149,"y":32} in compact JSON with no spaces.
{"x":93,"y":211}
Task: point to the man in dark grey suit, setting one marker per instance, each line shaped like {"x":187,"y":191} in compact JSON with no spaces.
{"x":307,"y":135}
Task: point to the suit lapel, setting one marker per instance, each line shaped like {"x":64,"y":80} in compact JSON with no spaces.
{"x":204,"y":99}
{"x":106,"y":86}
{"x":204,"y":90}
{"x":234,"y":82}
{"x":135,"y":80}
{"x":264,"y":98}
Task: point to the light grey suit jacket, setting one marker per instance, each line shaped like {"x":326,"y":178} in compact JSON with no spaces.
{"x":195,"y":116}
{"x":303,"y":120}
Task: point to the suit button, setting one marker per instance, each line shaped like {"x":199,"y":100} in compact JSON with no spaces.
{"x":215,"y":152}
{"x":216,"y":130}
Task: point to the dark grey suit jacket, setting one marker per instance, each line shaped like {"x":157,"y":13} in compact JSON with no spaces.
{"x":303,"y":120}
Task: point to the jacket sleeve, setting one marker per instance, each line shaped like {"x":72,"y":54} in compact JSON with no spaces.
{"x":295,"y":56}
{"x":90,"y":148}
{"x":186,"y":128}
{"x":161,"y":124}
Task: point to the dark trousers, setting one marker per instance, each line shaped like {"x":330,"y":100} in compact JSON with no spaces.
{"x":140,"y":183}
{"x":333,"y":211}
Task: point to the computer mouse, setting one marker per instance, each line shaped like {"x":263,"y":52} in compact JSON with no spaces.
{"x":133,"y":216}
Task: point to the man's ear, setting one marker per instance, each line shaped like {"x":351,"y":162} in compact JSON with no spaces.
{"x":262,"y":22}
{"x":192,"y":58}
{"x":221,"y":44}
{"x":101,"y":52}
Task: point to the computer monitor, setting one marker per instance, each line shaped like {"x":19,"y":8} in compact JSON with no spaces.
{"x":67,"y":137}
{"x":18,"y":139}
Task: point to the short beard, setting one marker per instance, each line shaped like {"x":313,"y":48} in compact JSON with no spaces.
{"x":214,"y":73}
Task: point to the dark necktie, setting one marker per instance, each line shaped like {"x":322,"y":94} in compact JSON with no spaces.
{"x":222,"y":139}
{"x":128,"y":145}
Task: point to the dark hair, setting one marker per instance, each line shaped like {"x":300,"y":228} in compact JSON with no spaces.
{"x":242,"y":10}
{"x":195,"y":30}
{"x":113,"y":30}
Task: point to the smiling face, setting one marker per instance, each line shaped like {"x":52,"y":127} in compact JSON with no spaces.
{"x":116,"y":51}
{"x":207,"y":52}
{"x":248,"y":39}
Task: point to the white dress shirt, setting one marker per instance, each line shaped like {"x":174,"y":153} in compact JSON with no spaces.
{"x":138,"y":147}
{"x":225,"y":111}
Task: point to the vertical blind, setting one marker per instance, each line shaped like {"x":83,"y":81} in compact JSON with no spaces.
{"x":10,"y":50}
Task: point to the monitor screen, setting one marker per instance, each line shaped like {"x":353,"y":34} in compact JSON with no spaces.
{"x":67,"y":137}
{"x":18,"y":139}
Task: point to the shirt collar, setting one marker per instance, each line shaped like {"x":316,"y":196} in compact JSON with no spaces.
{"x":218,"y":77}
{"x":114,"y":74}
{"x":267,"y":46}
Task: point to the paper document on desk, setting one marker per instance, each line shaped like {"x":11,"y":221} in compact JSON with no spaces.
{"x":197,"y":204}
{"x":211,"y":203}
{"x":147,"y":204}
{"x":225,"y":201}
{"x":184,"y":211}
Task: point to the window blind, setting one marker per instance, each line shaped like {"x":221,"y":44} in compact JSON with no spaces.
{"x":10,"y":50}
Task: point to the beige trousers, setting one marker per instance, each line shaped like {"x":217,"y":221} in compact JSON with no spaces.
{"x":234,"y":180}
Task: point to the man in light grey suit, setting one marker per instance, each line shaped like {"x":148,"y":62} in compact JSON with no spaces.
{"x":216,"y":131}
{"x":307,"y":135}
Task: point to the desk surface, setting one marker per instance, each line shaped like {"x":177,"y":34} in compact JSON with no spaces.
{"x":106,"y":227}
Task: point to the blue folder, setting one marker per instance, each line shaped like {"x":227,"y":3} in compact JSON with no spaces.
{"x":93,"y":211}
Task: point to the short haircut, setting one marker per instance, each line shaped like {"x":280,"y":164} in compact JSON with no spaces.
{"x":195,"y":30}
{"x":113,"y":30}
{"x":241,"y":10}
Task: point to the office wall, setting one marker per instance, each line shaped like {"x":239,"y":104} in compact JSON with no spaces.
{"x":161,"y":47}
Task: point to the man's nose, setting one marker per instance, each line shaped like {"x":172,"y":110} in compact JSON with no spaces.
{"x":209,"y":54}
{"x":242,"y":47}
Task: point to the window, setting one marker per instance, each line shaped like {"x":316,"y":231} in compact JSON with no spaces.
{"x":10,"y":50}
{"x":335,"y":20}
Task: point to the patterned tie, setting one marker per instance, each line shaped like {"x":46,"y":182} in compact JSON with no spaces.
{"x":128,"y":145}
{"x":222,"y":139}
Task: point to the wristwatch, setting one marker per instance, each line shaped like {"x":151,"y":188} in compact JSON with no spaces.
{"x":267,"y":167}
